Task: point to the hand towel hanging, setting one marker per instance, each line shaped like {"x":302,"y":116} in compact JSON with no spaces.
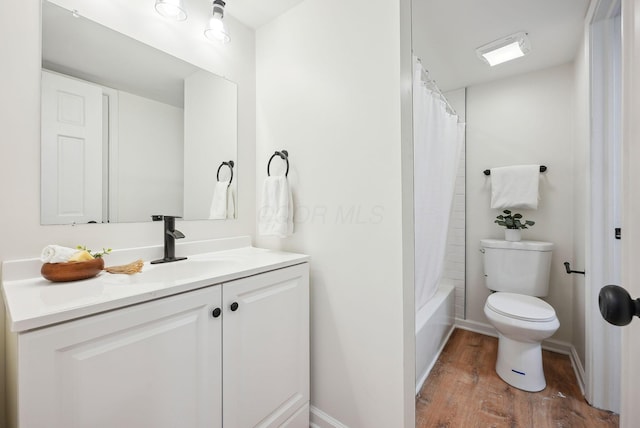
{"x":218,"y":209}
{"x":276,"y":210}
{"x":515,"y":187}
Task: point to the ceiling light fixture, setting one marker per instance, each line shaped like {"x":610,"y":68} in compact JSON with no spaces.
{"x":173,"y":9}
{"x":216,"y":30}
{"x":505,"y":49}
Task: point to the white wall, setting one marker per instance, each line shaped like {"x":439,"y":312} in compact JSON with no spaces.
{"x":20,"y":117}
{"x":150,"y":158}
{"x":329,"y":81}
{"x":526,"y":119}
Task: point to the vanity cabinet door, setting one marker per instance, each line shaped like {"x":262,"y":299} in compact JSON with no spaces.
{"x":155,"y":364}
{"x":266,"y":349}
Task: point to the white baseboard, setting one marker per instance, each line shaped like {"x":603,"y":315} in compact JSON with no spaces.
{"x":320,"y":419}
{"x":553,"y":345}
{"x":476,"y":327}
{"x":578,"y":368}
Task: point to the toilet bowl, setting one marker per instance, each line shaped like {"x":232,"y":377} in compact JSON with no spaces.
{"x":522,"y":322}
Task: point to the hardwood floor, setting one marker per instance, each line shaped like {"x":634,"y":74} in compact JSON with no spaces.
{"x":463,"y":390}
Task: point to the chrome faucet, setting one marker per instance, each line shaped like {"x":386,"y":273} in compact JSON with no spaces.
{"x":170,"y":236}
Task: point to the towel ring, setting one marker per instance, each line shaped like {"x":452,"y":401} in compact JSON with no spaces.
{"x":285,"y":157}
{"x":230,"y":164}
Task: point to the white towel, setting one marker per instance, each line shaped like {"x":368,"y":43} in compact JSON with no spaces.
{"x":231,"y":203}
{"x":57,"y":254}
{"x":276,"y":210}
{"x":515,"y":187}
{"x":218,"y":209}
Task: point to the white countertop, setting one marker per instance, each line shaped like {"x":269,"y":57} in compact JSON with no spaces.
{"x":34,"y":302}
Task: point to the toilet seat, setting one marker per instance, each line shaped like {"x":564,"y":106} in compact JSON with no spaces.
{"x":521,"y":307}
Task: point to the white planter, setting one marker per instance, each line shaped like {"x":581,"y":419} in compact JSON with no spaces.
{"x":512,"y":235}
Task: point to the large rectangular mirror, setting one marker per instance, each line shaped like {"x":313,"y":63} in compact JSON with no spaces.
{"x":129,"y":131}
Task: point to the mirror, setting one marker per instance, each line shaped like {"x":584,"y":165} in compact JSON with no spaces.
{"x":129,"y":131}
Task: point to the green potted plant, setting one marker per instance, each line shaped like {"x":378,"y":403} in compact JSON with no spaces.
{"x":513,"y":223}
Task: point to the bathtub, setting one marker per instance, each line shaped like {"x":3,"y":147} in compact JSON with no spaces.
{"x":434,"y":324}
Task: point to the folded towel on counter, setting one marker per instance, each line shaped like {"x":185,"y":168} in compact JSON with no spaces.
{"x":218,"y":210}
{"x":515,"y":187}
{"x":57,"y":254}
{"x":276,"y":210}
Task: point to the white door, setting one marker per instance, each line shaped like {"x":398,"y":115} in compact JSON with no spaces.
{"x":266,"y":349}
{"x":153,"y":365}
{"x":630,"y":411}
{"x":71,"y":152}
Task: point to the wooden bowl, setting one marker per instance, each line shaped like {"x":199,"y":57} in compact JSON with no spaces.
{"x":72,"y":271}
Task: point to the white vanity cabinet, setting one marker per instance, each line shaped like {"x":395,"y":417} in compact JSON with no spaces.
{"x":265,"y":346}
{"x":231,"y":355}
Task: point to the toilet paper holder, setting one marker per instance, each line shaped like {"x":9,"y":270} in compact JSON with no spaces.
{"x":567,"y":267}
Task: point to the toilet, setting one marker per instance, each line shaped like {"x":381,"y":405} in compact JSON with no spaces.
{"x":518,"y":274}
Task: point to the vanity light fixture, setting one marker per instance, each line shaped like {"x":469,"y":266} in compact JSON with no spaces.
{"x":173,"y":9}
{"x":216,"y":30}
{"x":505,"y":49}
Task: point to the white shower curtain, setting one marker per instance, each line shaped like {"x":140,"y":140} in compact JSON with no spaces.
{"x":437,"y":139}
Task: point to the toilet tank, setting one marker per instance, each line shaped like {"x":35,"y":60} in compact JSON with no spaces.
{"x":517,"y":267}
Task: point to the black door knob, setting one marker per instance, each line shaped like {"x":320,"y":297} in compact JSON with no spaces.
{"x":234,"y":306}
{"x":216,"y":312}
{"x":616,"y":305}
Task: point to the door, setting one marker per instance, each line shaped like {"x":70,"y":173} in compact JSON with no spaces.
{"x":155,"y":364}
{"x":266,"y":349}
{"x":71,"y":152}
{"x":630,"y":411}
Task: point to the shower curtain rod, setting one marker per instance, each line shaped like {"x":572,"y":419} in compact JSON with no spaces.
{"x":426,"y":78}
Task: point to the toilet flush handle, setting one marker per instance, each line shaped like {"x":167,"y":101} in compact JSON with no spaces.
{"x":616,"y":305}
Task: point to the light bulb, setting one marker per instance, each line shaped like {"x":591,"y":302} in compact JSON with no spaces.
{"x":173,"y":9}
{"x":216,"y":30}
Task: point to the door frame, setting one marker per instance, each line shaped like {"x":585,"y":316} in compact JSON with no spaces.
{"x":603,"y":341}
{"x":630,"y":387}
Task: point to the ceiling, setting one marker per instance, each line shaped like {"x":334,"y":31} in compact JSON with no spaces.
{"x":447,"y":32}
{"x":255,"y":13}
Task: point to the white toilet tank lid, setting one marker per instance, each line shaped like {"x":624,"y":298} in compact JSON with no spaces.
{"x":519,"y":306}
{"x":519,"y":245}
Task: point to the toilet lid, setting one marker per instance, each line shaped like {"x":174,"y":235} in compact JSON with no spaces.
{"x":526,"y":308}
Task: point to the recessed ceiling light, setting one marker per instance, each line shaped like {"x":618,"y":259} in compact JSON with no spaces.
{"x":505,"y":49}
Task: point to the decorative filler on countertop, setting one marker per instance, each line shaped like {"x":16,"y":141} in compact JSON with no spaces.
{"x":94,"y":254}
{"x":129,"y":269}
{"x":72,"y":271}
{"x":62,"y":264}
{"x":57,"y":254}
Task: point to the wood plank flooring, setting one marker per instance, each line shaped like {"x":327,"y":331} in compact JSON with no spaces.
{"x":464,"y":391}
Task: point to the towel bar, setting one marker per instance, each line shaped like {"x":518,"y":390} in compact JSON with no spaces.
{"x":542,"y":169}
{"x":285,"y":157}
{"x":230,"y":164}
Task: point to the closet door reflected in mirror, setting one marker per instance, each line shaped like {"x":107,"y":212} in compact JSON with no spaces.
{"x":128,"y":130}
